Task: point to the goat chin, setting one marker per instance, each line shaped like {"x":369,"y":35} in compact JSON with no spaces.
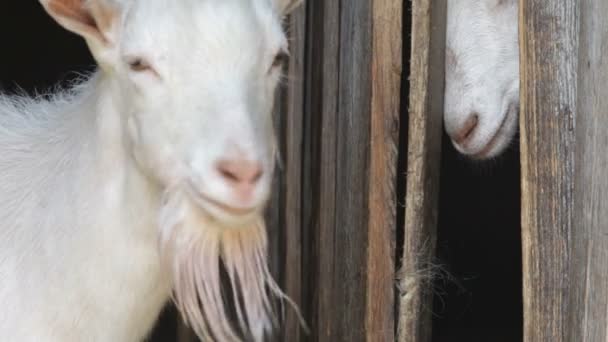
{"x":193,"y":247}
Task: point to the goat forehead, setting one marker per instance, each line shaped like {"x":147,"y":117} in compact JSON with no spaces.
{"x":202,"y":28}
{"x":204,"y":9}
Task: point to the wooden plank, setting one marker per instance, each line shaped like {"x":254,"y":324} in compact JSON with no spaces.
{"x":291,"y":187}
{"x":348,"y":241}
{"x":589,"y":314}
{"x":549,"y":50}
{"x":424,"y":151}
{"x":274,"y":208}
{"x":352,"y":173}
{"x":319,"y":165}
{"x":387,"y":56}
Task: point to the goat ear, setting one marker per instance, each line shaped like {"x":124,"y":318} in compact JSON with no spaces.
{"x":287,"y":6}
{"x":92,"y":19}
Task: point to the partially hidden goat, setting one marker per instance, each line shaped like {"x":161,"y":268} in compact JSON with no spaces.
{"x":482,"y":76}
{"x":136,"y":185}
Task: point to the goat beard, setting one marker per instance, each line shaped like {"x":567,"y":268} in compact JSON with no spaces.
{"x":192,"y":247}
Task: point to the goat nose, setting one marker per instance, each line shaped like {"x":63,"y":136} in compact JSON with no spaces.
{"x":240,"y":174}
{"x":465,"y":133}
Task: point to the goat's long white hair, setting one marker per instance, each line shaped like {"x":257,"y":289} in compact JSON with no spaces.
{"x":193,"y":246}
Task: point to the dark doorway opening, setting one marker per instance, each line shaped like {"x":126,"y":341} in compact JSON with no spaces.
{"x":479,"y":298}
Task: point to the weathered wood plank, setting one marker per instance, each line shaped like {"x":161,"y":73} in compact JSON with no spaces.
{"x":291,"y":187}
{"x":549,"y":50}
{"x":385,"y":114}
{"x":352,"y":172}
{"x":352,"y":249}
{"x":424,"y":150}
{"x":274,"y":208}
{"x":319,"y":166}
{"x":589,"y":314}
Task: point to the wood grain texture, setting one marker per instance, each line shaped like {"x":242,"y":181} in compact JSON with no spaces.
{"x":549,"y":50}
{"x":352,"y":137}
{"x":589,"y":313}
{"x":291,"y":187}
{"x":352,"y":130}
{"x":320,"y":165}
{"x":387,"y":55}
{"x":424,"y":151}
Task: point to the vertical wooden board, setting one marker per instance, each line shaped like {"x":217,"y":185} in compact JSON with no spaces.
{"x":549,"y":50}
{"x":589,"y":313}
{"x":387,"y":42}
{"x":341,"y":87}
{"x":352,"y":172}
{"x":423,"y":163}
{"x":320,"y":191}
{"x":291,"y":189}
{"x":274,"y":208}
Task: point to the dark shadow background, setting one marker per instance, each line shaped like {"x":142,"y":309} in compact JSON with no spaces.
{"x":479,"y":245}
{"x":37,"y":52}
{"x":479,"y":223}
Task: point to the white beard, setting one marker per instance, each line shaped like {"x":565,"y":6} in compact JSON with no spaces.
{"x":192,"y":246}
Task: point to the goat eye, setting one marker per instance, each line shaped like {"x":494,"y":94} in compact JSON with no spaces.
{"x":280,"y":59}
{"x":138,"y":65}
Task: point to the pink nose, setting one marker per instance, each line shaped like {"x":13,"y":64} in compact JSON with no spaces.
{"x":466,"y":132}
{"x":241,"y":175}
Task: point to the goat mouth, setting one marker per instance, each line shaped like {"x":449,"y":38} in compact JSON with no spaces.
{"x":486,"y":151}
{"x":236,"y":211}
{"x":214,"y":207}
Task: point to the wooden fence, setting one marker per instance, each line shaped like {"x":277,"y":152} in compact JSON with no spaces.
{"x":334,"y":211}
{"x":347,"y":222}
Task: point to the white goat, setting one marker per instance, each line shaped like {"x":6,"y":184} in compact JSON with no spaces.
{"x":145,"y":177}
{"x":482,"y":75}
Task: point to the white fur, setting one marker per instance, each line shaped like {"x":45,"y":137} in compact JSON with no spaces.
{"x":482,"y":74}
{"x":82,"y":173}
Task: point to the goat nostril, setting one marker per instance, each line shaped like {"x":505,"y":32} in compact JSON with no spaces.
{"x":228,"y":175}
{"x":240,"y":172}
{"x":465,"y":133}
